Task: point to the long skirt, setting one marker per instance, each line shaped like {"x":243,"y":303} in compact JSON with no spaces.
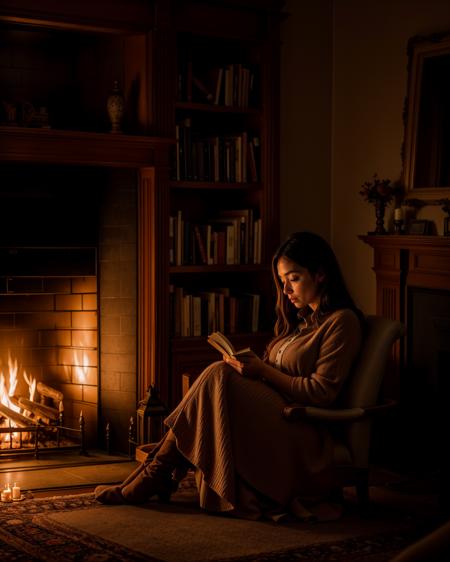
{"x":249,"y":460}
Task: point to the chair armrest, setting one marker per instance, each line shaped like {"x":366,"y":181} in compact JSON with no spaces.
{"x":295,"y":412}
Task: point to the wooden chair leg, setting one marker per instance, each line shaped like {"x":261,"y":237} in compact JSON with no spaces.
{"x":362,"y":491}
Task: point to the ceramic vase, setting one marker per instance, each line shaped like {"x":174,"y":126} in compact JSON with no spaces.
{"x":380,"y":207}
{"x":115,"y":106}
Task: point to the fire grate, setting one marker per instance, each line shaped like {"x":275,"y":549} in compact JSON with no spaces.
{"x":39,"y":439}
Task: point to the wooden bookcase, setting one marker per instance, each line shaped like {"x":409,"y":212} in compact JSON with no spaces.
{"x":224,"y":114}
{"x":164,"y":54}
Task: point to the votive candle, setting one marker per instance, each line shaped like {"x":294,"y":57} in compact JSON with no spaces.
{"x":398,"y":214}
{"x":16,"y":492}
{"x":6,"y":494}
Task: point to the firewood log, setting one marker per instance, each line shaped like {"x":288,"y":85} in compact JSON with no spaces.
{"x":46,"y":412}
{"x":15,"y":417}
{"x":45,"y":390}
{"x":15,"y":400}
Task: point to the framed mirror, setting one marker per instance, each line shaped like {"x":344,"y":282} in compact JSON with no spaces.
{"x":426,"y":148}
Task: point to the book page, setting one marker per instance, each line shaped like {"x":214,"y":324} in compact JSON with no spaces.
{"x":221,"y":342}
{"x":223,"y":345}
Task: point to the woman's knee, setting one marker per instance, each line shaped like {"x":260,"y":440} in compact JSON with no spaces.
{"x":218,"y":370}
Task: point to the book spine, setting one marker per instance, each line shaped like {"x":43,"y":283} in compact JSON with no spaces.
{"x":171,"y":240}
{"x":201,"y":245}
{"x":218,"y":97}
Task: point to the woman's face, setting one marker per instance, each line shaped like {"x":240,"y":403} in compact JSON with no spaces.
{"x":300,"y":287}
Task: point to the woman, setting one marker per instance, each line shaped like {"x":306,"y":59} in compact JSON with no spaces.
{"x":248,"y":460}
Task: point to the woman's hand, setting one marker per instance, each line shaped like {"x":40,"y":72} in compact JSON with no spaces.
{"x":247,"y":364}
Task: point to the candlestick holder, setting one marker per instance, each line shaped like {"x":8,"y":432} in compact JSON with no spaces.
{"x":398,"y":226}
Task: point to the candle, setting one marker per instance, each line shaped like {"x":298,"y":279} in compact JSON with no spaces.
{"x":6,"y":494}
{"x":16,"y":492}
{"x":398,"y":214}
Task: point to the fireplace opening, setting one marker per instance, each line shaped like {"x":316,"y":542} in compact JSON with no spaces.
{"x":68,"y":299}
{"x":426,"y":382}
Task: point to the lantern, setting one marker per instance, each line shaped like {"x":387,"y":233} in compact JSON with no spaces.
{"x":150,"y":418}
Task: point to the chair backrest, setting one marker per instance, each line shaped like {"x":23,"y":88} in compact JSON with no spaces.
{"x":365,"y":380}
{"x":368,"y":371}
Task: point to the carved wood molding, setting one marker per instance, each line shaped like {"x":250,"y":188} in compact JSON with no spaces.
{"x":153,"y":282}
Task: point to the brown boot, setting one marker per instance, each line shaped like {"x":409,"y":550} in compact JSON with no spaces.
{"x":156,"y":478}
{"x":112,"y":495}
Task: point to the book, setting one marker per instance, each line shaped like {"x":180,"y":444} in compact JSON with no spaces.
{"x":203,"y":88}
{"x":201,"y":244}
{"x":218,"y":97}
{"x":224,"y":346}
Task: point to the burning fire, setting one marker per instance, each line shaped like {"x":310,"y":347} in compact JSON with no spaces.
{"x":8,"y":388}
{"x":5,"y":392}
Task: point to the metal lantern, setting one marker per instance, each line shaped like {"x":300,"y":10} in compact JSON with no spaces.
{"x":150,"y":418}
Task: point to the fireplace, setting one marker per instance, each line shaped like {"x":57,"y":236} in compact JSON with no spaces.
{"x":68,"y":293}
{"x":427,"y":367}
{"x":413,"y":286}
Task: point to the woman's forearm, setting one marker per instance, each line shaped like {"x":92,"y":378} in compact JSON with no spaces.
{"x":276,"y":378}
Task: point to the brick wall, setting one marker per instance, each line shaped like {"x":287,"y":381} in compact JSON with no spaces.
{"x":49,"y":326}
{"x":118,"y":289}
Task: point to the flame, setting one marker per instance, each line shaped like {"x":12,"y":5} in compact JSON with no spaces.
{"x":4,"y":398}
{"x":31,"y":381}
{"x":8,"y":390}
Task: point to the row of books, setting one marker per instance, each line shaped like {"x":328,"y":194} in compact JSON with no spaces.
{"x":233,"y":237}
{"x":218,"y":158}
{"x":232,"y":85}
{"x":200,"y":314}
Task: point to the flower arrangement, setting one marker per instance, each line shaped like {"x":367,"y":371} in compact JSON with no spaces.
{"x":378,"y":190}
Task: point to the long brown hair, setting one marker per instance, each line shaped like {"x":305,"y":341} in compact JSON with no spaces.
{"x":310,"y":251}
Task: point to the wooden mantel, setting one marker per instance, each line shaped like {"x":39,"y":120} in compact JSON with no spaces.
{"x":21,"y":144}
{"x":407,"y":261}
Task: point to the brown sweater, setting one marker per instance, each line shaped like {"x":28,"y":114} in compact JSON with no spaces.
{"x":319,"y":356}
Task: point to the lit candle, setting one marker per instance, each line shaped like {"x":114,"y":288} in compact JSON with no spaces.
{"x":6,"y":494}
{"x":398,"y":214}
{"x":16,"y":492}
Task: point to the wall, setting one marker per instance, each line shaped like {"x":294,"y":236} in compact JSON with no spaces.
{"x":305,"y":148}
{"x":343,"y":85}
{"x":370,"y":41}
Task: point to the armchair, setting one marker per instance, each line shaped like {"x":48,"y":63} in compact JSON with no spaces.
{"x":351,"y":421}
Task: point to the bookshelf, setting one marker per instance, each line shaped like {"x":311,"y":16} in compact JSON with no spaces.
{"x":223,"y":186}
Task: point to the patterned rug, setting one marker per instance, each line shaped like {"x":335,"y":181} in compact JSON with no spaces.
{"x":27,"y":534}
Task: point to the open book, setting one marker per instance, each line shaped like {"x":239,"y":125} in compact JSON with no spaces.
{"x":224,"y":346}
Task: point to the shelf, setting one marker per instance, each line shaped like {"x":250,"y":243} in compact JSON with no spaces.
{"x":20,"y":144}
{"x":214,"y":185}
{"x":192,"y":106}
{"x":242,"y":268}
